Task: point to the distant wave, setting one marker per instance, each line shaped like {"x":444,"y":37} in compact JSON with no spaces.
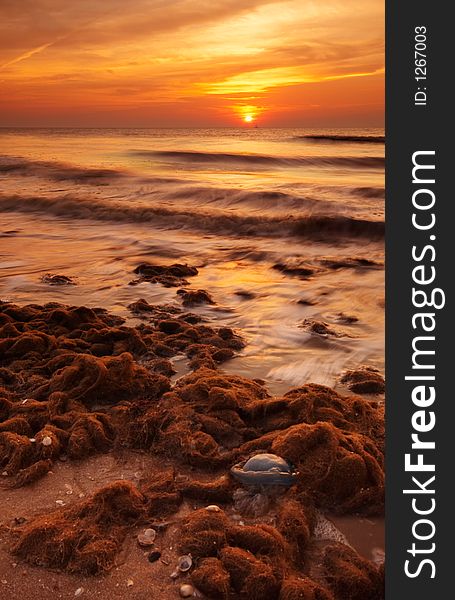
{"x":54,"y":170}
{"x":311,"y":226}
{"x":360,"y":139}
{"x":366,"y":162}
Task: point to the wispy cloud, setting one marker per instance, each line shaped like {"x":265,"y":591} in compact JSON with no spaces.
{"x":145,"y":59}
{"x":32,"y":52}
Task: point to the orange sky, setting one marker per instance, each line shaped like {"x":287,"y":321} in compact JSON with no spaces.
{"x":191,"y":63}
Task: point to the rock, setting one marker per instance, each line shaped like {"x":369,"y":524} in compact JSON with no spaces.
{"x":245,"y":294}
{"x":186,"y":590}
{"x":51,"y":279}
{"x":168,"y":276}
{"x":306,"y":302}
{"x":154,"y":556}
{"x":346,"y":319}
{"x":322,"y":329}
{"x":295,"y":269}
{"x":193,"y":297}
{"x":366,"y":380}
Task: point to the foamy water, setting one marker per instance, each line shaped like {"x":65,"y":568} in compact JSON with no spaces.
{"x":92,"y":204}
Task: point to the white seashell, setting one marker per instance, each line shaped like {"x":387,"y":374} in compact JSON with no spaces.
{"x":46,"y":441}
{"x":186,"y":590}
{"x":184,"y":563}
{"x":147,"y":537}
{"x":213,"y":508}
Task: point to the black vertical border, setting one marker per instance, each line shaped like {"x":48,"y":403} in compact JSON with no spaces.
{"x":411,"y":128}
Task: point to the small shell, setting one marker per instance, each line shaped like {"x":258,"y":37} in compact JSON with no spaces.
{"x":184,"y":563}
{"x":147,"y":537}
{"x":79,"y":591}
{"x":129,"y":583}
{"x":186,"y":590}
{"x":46,"y":441}
{"x":213,"y":508}
{"x":174,"y":575}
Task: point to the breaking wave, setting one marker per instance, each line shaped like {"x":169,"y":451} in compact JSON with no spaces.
{"x":360,"y":139}
{"x":310,"y":226}
{"x":263,"y":160}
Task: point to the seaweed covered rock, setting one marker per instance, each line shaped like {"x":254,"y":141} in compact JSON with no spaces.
{"x":168,"y":276}
{"x":106,"y":380}
{"x":296,"y":268}
{"x":365,"y":380}
{"x":212,"y":579}
{"x":53,"y":279}
{"x":343,"y":472}
{"x":304,"y":588}
{"x":204,"y":533}
{"x":62,"y":364}
{"x":84,"y":538}
{"x":250,"y":577}
{"x":194,"y":297}
{"x":351,"y":577}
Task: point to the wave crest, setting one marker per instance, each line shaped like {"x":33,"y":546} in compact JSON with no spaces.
{"x":311,"y":226}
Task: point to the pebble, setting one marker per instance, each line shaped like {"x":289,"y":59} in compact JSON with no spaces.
{"x":46,"y":441}
{"x":59,"y":503}
{"x":79,"y":591}
{"x":213,"y":508}
{"x":186,"y":590}
{"x":129,"y":583}
{"x":154,"y":556}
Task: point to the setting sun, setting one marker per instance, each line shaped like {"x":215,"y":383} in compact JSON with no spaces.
{"x":248,"y":118}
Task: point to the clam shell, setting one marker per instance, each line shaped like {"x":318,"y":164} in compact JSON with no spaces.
{"x":184,"y":563}
{"x":147,"y":537}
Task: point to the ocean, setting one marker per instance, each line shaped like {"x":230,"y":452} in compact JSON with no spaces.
{"x":285,"y":227}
